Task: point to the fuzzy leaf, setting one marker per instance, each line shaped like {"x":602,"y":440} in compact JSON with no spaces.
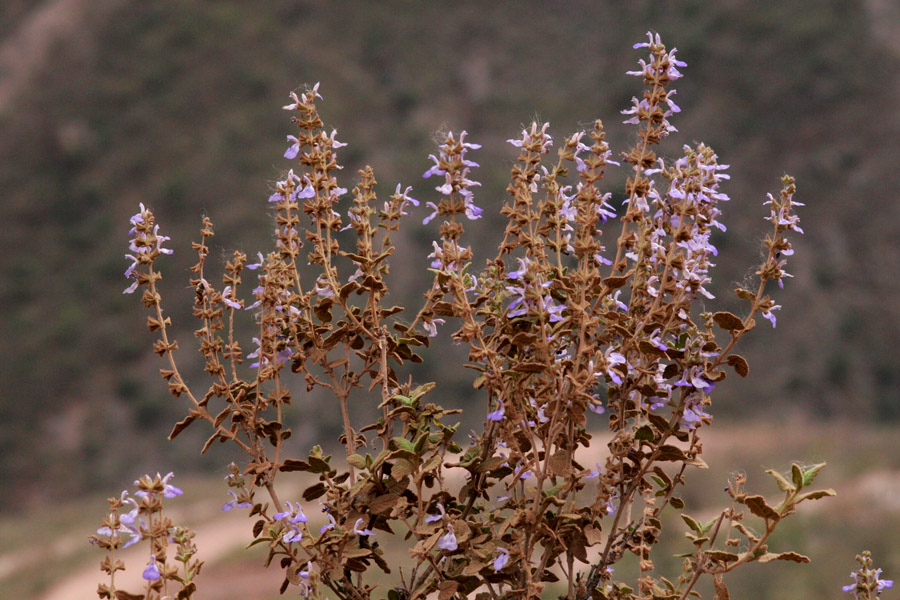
{"x":783,"y":484}
{"x":758,"y":506}
{"x":721,"y":556}
{"x":721,"y":588}
{"x":728,"y":321}
{"x":613,"y":283}
{"x":292,"y":464}
{"x":186,"y":592}
{"x":402,"y":468}
{"x":739,"y":363}
{"x":810,"y":473}
{"x":357,"y":461}
{"x":383,"y":503}
{"x":692,"y":524}
{"x":314,"y":491}
{"x":791,"y":556}
{"x":404,"y":444}
{"x":182,"y":425}
{"x":817,"y":495}
{"x":258,"y":527}
{"x":447,"y":589}
{"x":797,"y":475}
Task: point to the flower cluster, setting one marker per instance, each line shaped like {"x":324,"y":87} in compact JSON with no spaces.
{"x":563,"y":333}
{"x":145,"y":521}
{"x":867,"y":582}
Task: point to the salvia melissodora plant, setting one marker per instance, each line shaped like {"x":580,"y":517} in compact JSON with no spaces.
{"x":566,"y":328}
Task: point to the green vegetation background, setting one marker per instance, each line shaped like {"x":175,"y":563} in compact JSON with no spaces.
{"x":177,"y":104}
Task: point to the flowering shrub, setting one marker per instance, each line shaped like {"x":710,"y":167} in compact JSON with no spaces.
{"x":559,"y":329}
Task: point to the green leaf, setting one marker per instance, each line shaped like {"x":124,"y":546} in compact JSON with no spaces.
{"x":797,"y":476}
{"x":692,"y":524}
{"x":404,"y":444}
{"x":645,"y":432}
{"x":708,"y":525}
{"x":318,"y":465}
{"x":422,"y":390}
{"x":809,"y":474}
{"x":357,"y":461}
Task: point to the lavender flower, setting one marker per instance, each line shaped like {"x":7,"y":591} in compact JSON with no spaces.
{"x":436,"y":517}
{"x":228,"y":298}
{"x":430,"y":326}
{"x":359,"y":530}
{"x":328,"y":526}
{"x":323,"y":288}
{"x":294,"y":512}
{"x":501,"y":559}
{"x":448,"y":541}
{"x":151,"y":573}
{"x":452,"y":153}
{"x":294,"y":149}
{"x":767,"y":313}
{"x":146,"y":243}
{"x":228,"y":506}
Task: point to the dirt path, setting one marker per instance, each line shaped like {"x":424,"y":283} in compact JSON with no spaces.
{"x":214,"y":540}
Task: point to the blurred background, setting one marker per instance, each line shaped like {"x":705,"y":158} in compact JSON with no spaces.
{"x":177,"y":104}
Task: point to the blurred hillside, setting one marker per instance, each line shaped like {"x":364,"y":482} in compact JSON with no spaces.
{"x":107,"y":103}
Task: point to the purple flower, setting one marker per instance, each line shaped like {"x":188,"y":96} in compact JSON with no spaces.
{"x":151,"y":573}
{"x":403,"y":198}
{"x":613,"y":359}
{"x":295,"y":512}
{"x":428,"y":219}
{"x":448,"y":541}
{"x":114,"y":534}
{"x":358,"y":530}
{"x":498,"y":414}
{"x":657,"y":341}
{"x":170,"y":491}
{"x":294,"y":149}
{"x":230,"y":505}
{"x":228,"y":299}
{"x":322,"y":288}
{"x":501,"y":559}
{"x":595,"y":473}
{"x":433,"y":518}
{"x":430,"y":326}
{"x":327,"y":526}
{"x":768,"y":314}
{"x":522,"y":271}
{"x":292,"y":535}
{"x":261,"y":262}
{"x":435,"y":168}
